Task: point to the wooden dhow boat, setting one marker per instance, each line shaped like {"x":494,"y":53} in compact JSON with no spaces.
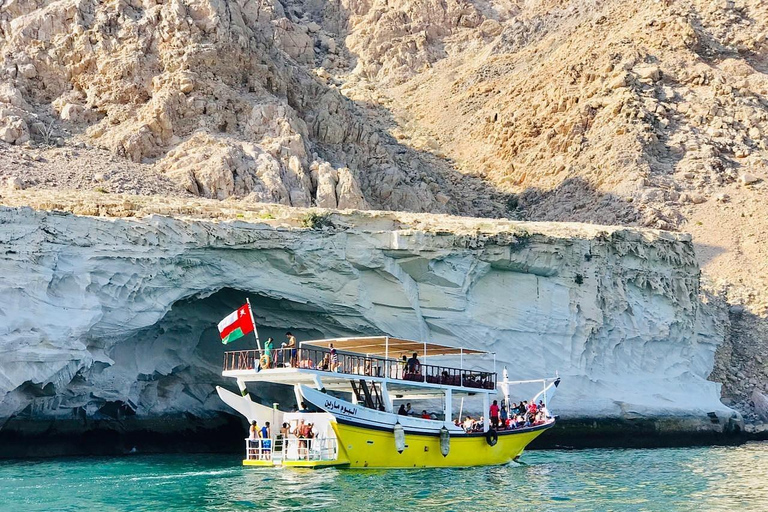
{"x":349,"y":390}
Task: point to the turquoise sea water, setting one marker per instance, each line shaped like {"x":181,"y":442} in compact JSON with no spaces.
{"x":709,"y":479}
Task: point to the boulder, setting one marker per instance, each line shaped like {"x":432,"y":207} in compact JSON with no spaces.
{"x":14,"y":130}
{"x":72,"y":112}
{"x":747,"y":179}
{"x":761,"y":404}
{"x":14,"y":183}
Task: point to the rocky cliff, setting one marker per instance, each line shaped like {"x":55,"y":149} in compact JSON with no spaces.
{"x":220,"y":97}
{"x":113,"y":319}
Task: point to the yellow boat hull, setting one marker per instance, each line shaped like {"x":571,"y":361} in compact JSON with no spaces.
{"x":372,"y":448}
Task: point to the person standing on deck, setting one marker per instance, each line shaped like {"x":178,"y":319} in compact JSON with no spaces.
{"x":253,"y":440}
{"x":285,"y":430}
{"x":413,"y":366}
{"x":292,"y":347}
{"x":494,"y":413}
{"x":270,"y":343}
{"x":266,"y":440}
{"x":334,"y":358}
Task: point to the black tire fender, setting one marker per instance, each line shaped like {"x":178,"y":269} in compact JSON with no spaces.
{"x":492,"y":437}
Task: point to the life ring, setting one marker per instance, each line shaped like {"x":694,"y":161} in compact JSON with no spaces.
{"x":264,"y":362}
{"x":491,"y":437}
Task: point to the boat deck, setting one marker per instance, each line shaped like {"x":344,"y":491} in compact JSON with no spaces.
{"x":310,"y":362}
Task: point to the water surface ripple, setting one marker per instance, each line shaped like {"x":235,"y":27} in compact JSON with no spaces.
{"x":715,"y":479}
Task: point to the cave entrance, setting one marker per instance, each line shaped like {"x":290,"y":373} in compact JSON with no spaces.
{"x":178,"y":360}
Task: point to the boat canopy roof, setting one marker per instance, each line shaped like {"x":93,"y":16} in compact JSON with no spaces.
{"x":389,"y":346}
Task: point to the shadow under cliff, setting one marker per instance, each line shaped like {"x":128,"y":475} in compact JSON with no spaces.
{"x":171,"y":370}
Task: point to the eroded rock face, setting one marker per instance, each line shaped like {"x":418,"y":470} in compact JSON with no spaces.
{"x":103,"y":315}
{"x":221,"y":96}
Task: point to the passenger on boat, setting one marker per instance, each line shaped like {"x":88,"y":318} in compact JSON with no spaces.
{"x":334,"y":358}
{"x":265,"y":434}
{"x":469,"y":424}
{"x":424,"y":415}
{"x":253,"y":440}
{"x":291,"y":345}
{"x":413,"y":365}
{"x":503,"y":416}
{"x":299,"y":432}
{"x":494,"y":413}
{"x":268,"y":346}
{"x":401,"y":411}
{"x":285,"y":430}
{"x":325,"y":364}
{"x":254,"y":431}
{"x":305,"y":436}
{"x":408,"y":410}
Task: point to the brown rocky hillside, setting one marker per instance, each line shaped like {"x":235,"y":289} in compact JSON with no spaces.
{"x":651,"y":113}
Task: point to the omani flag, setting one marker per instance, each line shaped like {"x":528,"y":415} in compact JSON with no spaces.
{"x":236,"y":325}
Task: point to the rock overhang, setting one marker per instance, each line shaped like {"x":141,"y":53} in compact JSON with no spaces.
{"x":615,"y":310}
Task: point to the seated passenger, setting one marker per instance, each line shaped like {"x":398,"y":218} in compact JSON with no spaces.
{"x":401,"y":411}
{"x":424,"y":415}
{"x":325,"y":364}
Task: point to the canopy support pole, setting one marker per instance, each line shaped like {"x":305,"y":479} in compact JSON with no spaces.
{"x":448,"y":408}
{"x":387,"y":369}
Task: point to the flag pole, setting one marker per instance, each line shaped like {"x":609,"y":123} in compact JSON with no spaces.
{"x":255,"y":332}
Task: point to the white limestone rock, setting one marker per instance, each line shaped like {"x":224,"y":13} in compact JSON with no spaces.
{"x":128,"y":316}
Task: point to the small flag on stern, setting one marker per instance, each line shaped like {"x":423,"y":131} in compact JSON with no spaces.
{"x":236,"y":325}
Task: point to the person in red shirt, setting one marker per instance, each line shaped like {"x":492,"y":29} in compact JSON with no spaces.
{"x":494,"y":414}
{"x":425,"y":415}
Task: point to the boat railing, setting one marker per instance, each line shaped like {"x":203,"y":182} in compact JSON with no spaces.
{"x":292,"y":448}
{"x":258,"y":449}
{"x":318,"y":358}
